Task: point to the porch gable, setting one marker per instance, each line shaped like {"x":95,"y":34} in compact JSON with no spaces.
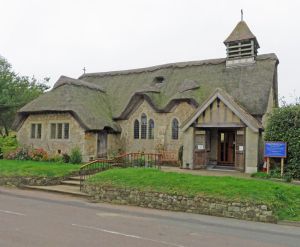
{"x":220,"y":110}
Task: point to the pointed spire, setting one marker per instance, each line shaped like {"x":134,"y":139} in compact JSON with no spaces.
{"x":242,"y":15}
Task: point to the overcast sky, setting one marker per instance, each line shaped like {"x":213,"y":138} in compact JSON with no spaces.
{"x":49,"y":38}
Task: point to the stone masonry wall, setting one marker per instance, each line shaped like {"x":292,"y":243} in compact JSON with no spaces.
{"x":162,"y":128}
{"x":87,"y":142}
{"x":197,"y":204}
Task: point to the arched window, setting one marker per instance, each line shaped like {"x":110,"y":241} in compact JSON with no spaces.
{"x":143,"y":126}
{"x":136,"y":129}
{"x":175,"y":129}
{"x":151,"y":129}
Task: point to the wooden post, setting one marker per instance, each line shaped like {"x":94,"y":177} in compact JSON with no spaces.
{"x":268,"y":165}
{"x":282,"y":164}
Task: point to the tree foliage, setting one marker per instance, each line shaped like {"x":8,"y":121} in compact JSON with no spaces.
{"x":15,"y":92}
{"x":284,"y":125}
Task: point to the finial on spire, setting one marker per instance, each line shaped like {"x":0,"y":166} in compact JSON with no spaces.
{"x":242,"y":15}
{"x":84,"y":69}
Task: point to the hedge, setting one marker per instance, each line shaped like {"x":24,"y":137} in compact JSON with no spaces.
{"x":284,"y":125}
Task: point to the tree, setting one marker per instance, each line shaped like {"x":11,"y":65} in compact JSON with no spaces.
{"x":15,"y":92}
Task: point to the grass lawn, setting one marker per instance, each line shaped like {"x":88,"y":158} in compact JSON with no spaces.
{"x":26,"y":168}
{"x":285,"y":198}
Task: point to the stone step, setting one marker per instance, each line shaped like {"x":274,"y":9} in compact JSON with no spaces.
{"x":71,"y":182}
{"x":61,"y":189}
{"x":75,"y":178}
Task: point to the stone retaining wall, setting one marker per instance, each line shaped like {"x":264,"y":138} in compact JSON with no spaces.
{"x":197,"y":204}
{"x":19,"y":181}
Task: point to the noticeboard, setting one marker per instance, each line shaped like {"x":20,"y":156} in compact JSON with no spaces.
{"x":275,"y":149}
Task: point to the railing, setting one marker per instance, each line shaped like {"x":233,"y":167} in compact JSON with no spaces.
{"x":125,"y":160}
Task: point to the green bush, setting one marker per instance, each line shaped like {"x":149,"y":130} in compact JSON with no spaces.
{"x":75,"y":156}
{"x":284,"y":125}
{"x":65,"y":158}
{"x":8,"y":143}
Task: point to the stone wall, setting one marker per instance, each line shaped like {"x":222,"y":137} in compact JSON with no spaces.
{"x":19,"y":181}
{"x":198,"y":204}
{"x":87,"y":142}
{"x":162,"y":128}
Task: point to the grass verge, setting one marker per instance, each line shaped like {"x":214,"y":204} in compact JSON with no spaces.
{"x":285,"y":198}
{"x":26,"y":168}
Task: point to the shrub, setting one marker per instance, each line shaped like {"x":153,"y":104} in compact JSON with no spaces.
{"x":18,"y":154}
{"x":38,"y":154}
{"x":75,"y":156}
{"x":284,"y":125}
{"x":8,"y":143}
{"x":65,"y":158}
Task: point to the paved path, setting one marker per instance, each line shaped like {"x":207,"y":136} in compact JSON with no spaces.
{"x":205,"y":172}
{"x":34,"y":218}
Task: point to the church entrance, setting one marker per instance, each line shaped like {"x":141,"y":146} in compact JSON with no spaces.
{"x":226,"y":147}
{"x":102,"y":144}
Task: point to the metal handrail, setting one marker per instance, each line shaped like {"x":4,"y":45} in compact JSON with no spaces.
{"x":124,"y":160}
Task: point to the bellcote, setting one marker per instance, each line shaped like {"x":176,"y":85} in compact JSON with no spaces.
{"x":241,"y":46}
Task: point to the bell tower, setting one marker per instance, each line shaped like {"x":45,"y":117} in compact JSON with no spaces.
{"x":241,"y":46}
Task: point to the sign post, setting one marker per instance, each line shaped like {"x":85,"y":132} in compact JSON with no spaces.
{"x":275,"y":150}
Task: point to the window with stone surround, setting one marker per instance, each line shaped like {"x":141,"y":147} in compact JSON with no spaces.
{"x":36,"y":131}
{"x":136,"y":129}
{"x":59,"y":130}
{"x":175,"y":129}
{"x":151,"y":129}
{"x":143,"y":126}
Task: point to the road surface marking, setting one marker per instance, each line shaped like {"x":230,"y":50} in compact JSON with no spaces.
{"x":11,"y":212}
{"x":121,"y":216}
{"x":126,"y":235}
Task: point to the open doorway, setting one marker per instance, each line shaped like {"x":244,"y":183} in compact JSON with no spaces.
{"x":226,"y":148}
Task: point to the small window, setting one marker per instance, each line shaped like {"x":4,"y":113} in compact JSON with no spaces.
{"x":59,"y":131}
{"x":53,"y":131}
{"x":36,"y":131}
{"x":159,"y":79}
{"x":32,"y":131}
{"x":175,"y":129}
{"x":143,"y":126}
{"x":39,"y":131}
{"x":151,"y":129}
{"x":136,"y":129}
{"x":66,"y":131}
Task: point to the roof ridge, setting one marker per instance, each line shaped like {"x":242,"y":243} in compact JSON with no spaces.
{"x":214,"y":61}
{"x":65,"y":80}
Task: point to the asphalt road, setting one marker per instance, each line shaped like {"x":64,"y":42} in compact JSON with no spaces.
{"x":35,"y":219}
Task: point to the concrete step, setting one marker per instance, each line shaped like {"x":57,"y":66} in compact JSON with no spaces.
{"x":71,"y":182}
{"x":61,"y":189}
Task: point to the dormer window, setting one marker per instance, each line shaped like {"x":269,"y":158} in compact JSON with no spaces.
{"x":159,"y":79}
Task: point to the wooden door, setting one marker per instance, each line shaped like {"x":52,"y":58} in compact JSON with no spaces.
{"x":102,"y":144}
{"x":226,"y":150}
{"x":240,"y":150}
{"x":200,"y":149}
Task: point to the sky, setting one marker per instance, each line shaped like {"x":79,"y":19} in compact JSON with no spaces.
{"x":50,"y":38}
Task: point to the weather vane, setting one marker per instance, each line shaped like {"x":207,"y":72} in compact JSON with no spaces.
{"x":242,"y":15}
{"x":84,"y":69}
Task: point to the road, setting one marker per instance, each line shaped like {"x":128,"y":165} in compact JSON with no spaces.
{"x":35,"y":219}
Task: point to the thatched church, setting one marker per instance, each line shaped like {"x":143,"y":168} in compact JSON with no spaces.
{"x":216,"y":109}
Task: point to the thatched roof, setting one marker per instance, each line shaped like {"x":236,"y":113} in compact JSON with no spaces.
{"x":240,"y":32}
{"x":88,"y":105}
{"x":118,"y":92}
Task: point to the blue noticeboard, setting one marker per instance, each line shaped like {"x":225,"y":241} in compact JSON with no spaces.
{"x":275,"y":149}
